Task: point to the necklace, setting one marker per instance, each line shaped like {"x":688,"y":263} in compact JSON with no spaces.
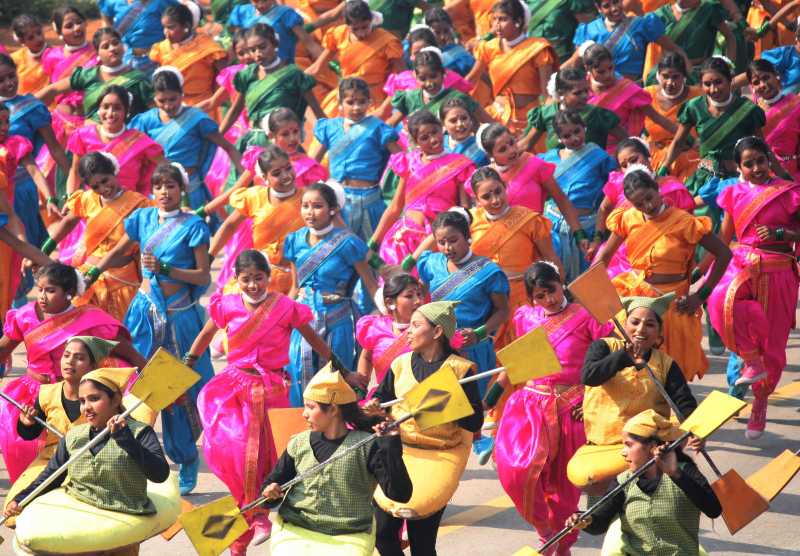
{"x":273,"y":64}
{"x":563,"y":306}
{"x":514,"y":42}
{"x":466,"y":257}
{"x":493,"y":217}
{"x":255,"y":300}
{"x":722,"y":104}
{"x":321,"y":232}
{"x":114,"y":70}
{"x":284,"y":194}
{"x":69,"y":48}
{"x":111,"y":134}
{"x":168,"y":213}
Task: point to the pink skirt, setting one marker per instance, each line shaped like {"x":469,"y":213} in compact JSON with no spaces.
{"x":18,"y":453}
{"x":535,"y":441}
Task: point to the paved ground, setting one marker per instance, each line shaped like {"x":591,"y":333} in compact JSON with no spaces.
{"x":482,"y":521}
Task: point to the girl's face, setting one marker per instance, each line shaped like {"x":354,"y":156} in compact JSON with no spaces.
{"x":315,"y":210}
{"x":33,"y":38}
{"x":110,"y":51}
{"x":5,"y":124}
{"x":458,"y":124}
{"x":262,"y":51}
{"x":430,"y":139}
{"x":451,"y":242}
{"x":174,"y":31}
{"x":491,"y":196}
{"x":105,"y":185}
{"x":442,"y":32}
{"x":169,"y":102}
{"x":505,"y":150}
{"x":9,"y":82}
{"x":167,"y":194}
{"x":421,"y":333}
{"x":672,"y":81}
{"x":112,"y":113}
{"x":572,"y":136}
{"x":73,"y":30}
{"x":603,"y":73}
{"x":754,"y":166}
{"x":577,"y":97}
{"x":319,"y":419}
{"x":97,"y":407}
{"x":52,"y":298}
{"x":361,"y":29}
{"x":611,"y":10}
{"x":550,"y":298}
{"x":646,"y":200}
{"x":75,"y":361}
{"x":253,"y":281}
{"x":287,"y":137}
{"x":263,"y":6}
{"x":280,"y":176}
{"x":242,"y":52}
{"x":404,"y":305}
{"x":643,"y":328}
{"x":354,"y":105}
{"x":429,"y":80}
{"x":504,"y":26}
{"x":415,"y":47}
{"x":716,"y":86}
{"x":629,"y":156}
{"x":765,"y":84}
{"x":635,"y":453}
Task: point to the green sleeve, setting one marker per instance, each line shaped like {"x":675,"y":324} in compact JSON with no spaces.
{"x":608,"y":118}
{"x":687,"y":114}
{"x":305,"y":82}
{"x":81,"y":78}
{"x":400,"y":102}
{"x":242,"y":80}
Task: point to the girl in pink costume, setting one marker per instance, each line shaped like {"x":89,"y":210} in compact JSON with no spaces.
{"x":753,"y":306}
{"x":431,"y":181}
{"x":782,"y":130}
{"x":633,"y":154}
{"x":45,"y":326}
{"x":542,"y":424}
{"x":237,"y":439}
{"x":383,"y":337}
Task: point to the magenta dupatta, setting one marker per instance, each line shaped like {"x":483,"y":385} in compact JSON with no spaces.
{"x":405,"y":81}
{"x":59,"y":65}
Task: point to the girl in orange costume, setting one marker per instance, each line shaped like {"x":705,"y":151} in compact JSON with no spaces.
{"x":31,"y":72}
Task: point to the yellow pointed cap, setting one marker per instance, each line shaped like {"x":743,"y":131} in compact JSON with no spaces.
{"x":328,"y":386}
{"x":442,"y":313}
{"x":658,"y":305}
{"x":114,"y":378}
{"x":649,"y":424}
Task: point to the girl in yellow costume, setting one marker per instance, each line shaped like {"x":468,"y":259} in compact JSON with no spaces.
{"x":28,"y":32}
{"x":332,"y":512}
{"x":436,"y":458}
{"x":619,"y":387}
{"x":104,"y":207}
{"x":661,"y":242}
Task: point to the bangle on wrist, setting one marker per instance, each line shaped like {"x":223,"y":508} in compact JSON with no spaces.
{"x":48,"y":246}
{"x":480,"y":332}
{"x":52,"y":200}
{"x":164,"y":268}
{"x":704,"y":293}
{"x":580,"y":235}
{"x":94,"y":272}
{"x":409,"y":262}
{"x":372,"y":244}
{"x":763,"y":30}
{"x":780,"y":232}
{"x":600,"y":235}
{"x":308,"y":27}
{"x":190,"y":358}
{"x":201,"y":212}
{"x":375,"y":261}
{"x":493,"y":395}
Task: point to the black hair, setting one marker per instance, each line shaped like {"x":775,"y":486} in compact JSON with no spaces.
{"x":595,"y":55}
{"x":166,"y":171}
{"x":354,"y":416}
{"x":673,"y":60}
{"x":60,"y":275}
{"x":4,"y":107}
{"x":567,"y":78}
{"x":420,"y":118}
{"x":270,"y":154}
{"x":396,"y":283}
{"x":452,"y":104}
{"x":120,"y":92}
{"x":61,"y":12}
{"x":327,"y":193}
{"x":452,"y":219}
{"x":636,"y":180}
{"x":263,"y":31}
{"x":355,"y":11}
{"x":567,"y":117}
{"x":251,"y":258}
{"x":239,"y":36}
{"x":93,"y":163}
{"x":437,"y":15}
{"x":490,"y":135}
{"x":6,"y":60}
{"x":484,"y":173}
{"x":20,"y":23}
{"x":353,"y":84}
{"x":168,"y":80}
{"x":180,"y":14}
{"x":716,"y":65}
{"x":429,"y":59}
{"x":750,"y":143}
{"x":512,"y":8}
{"x":422,"y":34}
{"x":760,"y":65}
{"x":541,"y":275}
{"x":102,"y":32}
{"x":86,"y":347}
{"x":281,"y":116}
{"x":635,"y":144}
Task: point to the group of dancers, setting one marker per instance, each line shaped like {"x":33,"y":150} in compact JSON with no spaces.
{"x":387,"y":188}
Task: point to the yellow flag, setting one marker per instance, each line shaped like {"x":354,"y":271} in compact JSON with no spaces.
{"x":593,"y":289}
{"x":214,"y":527}
{"x":437,"y":400}
{"x":163,"y":380}
{"x":771,"y":479}
{"x":528,"y":357}
{"x":527,"y":551}
{"x":285,"y":422}
{"x":712,"y":413}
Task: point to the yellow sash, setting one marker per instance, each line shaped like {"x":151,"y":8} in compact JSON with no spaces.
{"x":188,"y":54}
{"x":359,"y":52}
{"x":104,"y":222}
{"x":501,"y":231}
{"x":652,"y":231}
{"x":506,"y":65}
{"x":279,"y":221}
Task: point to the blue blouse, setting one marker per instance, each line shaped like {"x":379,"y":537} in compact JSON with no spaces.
{"x":458,"y":59}
{"x":146,"y":29}
{"x":583,"y":184}
{"x":469,"y":148}
{"x":787,"y":62}
{"x":282,"y":19}
{"x":366,"y":157}
{"x":28,"y":115}
{"x":630,"y":50}
{"x":192,"y":148}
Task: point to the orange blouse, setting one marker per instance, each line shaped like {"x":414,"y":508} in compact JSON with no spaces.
{"x":195,"y":58}
{"x":30,"y":71}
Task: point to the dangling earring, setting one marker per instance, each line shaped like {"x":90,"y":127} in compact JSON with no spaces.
{"x":331,"y":212}
{"x":392,"y":307}
{"x":69,"y":297}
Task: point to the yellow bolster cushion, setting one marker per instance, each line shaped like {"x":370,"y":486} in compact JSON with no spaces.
{"x":594,"y":464}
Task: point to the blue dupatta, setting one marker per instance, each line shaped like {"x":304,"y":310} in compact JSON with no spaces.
{"x":174,"y":132}
{"x":364,"y":128}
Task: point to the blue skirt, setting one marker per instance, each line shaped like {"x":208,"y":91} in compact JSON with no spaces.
{"x":363,"y":210}
{"x":564,"y":244}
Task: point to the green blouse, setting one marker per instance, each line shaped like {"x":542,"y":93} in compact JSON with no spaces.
{"x":599,"y":123}
{"x":409,"y":101}
{"x":283,"y":88}
{"x":88,"y":80}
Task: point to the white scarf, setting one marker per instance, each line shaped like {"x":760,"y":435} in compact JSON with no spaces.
{"x":722,"y":104}
{"x":493,"y":217}
{"x":323,"y":232}
{"x":284,"y":194}
{"x":111,"y":135}
{"x":254,"y":300}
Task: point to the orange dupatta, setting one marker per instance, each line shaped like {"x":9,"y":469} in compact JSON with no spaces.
{"x":105,"y":222}
{"x":506,"y":65}
{"x":423,"y":186}
{"x":30,"y":72}
{"x":651,"y":232}
{"x":355,"y":55}
{"x":501,"y":231}
{"x":273,"y":223}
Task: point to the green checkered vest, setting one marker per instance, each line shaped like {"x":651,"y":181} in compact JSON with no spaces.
{"x":110,"y":480}
{"x":336,"y":501}
{"x":664,"y":524}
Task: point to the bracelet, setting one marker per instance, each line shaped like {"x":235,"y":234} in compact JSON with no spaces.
{"x":480,"y":332}
{"x":704,"y":293}
{"x":580,"y":235}
{"x":190,"y":358}
{"x":308,"y":27}
{"x":761,"y":31}
{"x":493,"y":395}
{"x":201,"y":212}
{"x":372,"y":244}
{"x":408,"y":263}
{"x":601,"y":235}
{"x":740,"y":25}
{"x":164,"y":268}
{"x":94,"y":273}
{"x":375,"y":261}
{"x":779,"y":233}
{"x":49,"y":246}
{"x":696,"y":275}
{"x":52,"y":200}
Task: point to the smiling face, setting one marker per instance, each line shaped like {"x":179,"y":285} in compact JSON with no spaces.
{"x":9,"y":81}
{"x":505,"y":151}
{"x":287,"y":137}
{"x":105,"y":185}
{"x":754,"y":166}
{"x":167,"y":194}
{"x":430,"y":139}
{"x":451,"y":242}
{"x":97,"y":406}
{"x":611,"y":10}
{"x":572,"y":136}
{"x":408,"y":301}
{"x":76,"y":361}
{"x":110,"y":51}
{"x":630,"y":155}
{"x":315,"y":210}
{"x":421,"y":333}
{"x":429,"y":80}
{"x":458,"y":124}
{"x":716,"y":86}
{"x":280,"y":176}
{"x":253,"y":281}
{"x":643,"y":328}
{"x":646,"y":200}
{"x":112,"y":113}
{"x":491,"y":196}
{"x":550,"y":298}
{"x":672,"y":81}
{"x":765,"y":84}
{"x":73,"y":30}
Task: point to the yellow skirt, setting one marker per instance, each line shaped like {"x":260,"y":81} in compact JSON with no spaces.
{"x":595,"y":464}
{"x":435,"y":475}
{"x":291,"y":540}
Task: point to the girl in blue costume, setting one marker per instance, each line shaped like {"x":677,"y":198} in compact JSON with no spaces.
{"x":139,"y":23}
{"x":479,"y":285}
{"x":358,"y":149}
{"x":326,"y":262}
{"x":187,"y":134}
{"x":459,"y":125}
{"x":582,"y":170}
{"x":456,"y":57}
{"x":165,"y":312}
{"x":626,"y":37}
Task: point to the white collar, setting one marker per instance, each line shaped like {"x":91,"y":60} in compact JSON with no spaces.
{"x":493,"y":217}
{"x":109,"y":135}
{"x":673,"y":97}
{"x":283,"y":194}
{"x":6,"y":99}
{"x":399,"y":326}
{"x":273,"y":64}
{"x":351,"y":123}
{"x":430,"y":157}
{"x":564,"y":304}
{"x":37,"y":55}
{"x":120,"y":191}
{"x":169,"y":213}
{"x":70,"y":307}
{"x":254,"y":300}
{"x":502,"y":169}
{"x":660,"y":211}
{"x":722,"y":104}
{"x":69,"y":48}
{"x":186,"y":40}
{"x":427,"y":97}
{"x":774,"y":100}
{"x":467,"y":257}
{"x":514,"y":42}
{"x":116,"y":69}
{"x":323,"y":232}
